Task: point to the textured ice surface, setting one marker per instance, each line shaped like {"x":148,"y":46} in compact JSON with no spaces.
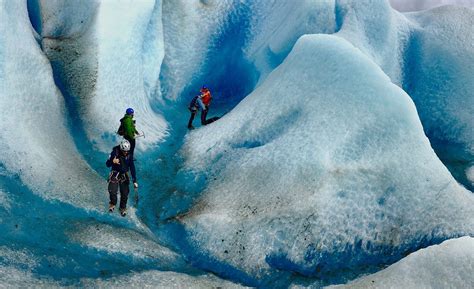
{"x":448,"y":265}
{"x":122,"y":241}
{"x":147,"y":279}
{"x":320,"y":169}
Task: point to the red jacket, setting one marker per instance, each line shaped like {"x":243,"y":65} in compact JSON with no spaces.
{"x":206,"y":97}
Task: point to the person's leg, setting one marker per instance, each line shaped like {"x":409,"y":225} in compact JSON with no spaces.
{"x":113,"y":189}
{"x":191,"y":118}
{"x":132,"y":146}
{"x":203,"y":116}
{"x":124,"y":190}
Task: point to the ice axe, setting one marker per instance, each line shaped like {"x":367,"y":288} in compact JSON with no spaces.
{"x":135,"y":188}
{"x":141,"y":135}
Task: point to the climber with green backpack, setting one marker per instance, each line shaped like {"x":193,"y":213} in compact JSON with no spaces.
{"x":127,"y":129}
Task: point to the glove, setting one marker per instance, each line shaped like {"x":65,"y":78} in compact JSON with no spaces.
{"x":135,"y":185}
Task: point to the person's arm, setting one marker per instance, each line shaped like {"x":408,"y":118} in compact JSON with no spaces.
{"x":201,"y":104}
{"x":135,"y":127}
{"x":110,"y":161}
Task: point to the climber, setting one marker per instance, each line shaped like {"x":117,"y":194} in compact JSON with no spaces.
{"x":127,"y":128}
{"x":121,"y":162}
{"x":200,"y":101}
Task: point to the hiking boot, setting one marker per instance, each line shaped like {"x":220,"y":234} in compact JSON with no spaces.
{"x":123,"y":212}
{"x":190,"y":127}
{"x":111,"y":208}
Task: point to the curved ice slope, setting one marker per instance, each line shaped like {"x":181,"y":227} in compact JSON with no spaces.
{"x":448,"y":265}
{"x":35,"y":141}
{"x":320,"y":169}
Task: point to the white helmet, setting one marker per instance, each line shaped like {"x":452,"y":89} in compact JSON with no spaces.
{"x":125,"y":145}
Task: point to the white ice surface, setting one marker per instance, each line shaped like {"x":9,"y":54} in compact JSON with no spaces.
{"x":448,"y":265}
{"x":320,"y":161}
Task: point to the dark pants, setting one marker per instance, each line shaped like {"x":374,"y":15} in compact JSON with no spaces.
{"x":132,"y":144}
{"x":203,"y":117}
{"x":124,"y":190}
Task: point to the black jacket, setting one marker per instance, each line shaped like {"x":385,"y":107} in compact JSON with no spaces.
{"x":126,"y":163}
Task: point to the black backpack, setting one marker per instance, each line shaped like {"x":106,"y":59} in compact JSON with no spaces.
{"x":121,"y":129}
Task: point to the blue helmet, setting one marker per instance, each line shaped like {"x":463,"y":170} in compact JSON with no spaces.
{"x":204,"y":87}
{"x":129,"y":111}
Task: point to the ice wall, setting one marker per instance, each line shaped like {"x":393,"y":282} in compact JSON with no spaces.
{"x":320,"y":169}
{"x":35,"y":139}
{"x":190,"y":28}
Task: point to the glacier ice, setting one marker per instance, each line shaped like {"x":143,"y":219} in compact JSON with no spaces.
{"x":320,"y":174}
{"x":317,"y":170}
